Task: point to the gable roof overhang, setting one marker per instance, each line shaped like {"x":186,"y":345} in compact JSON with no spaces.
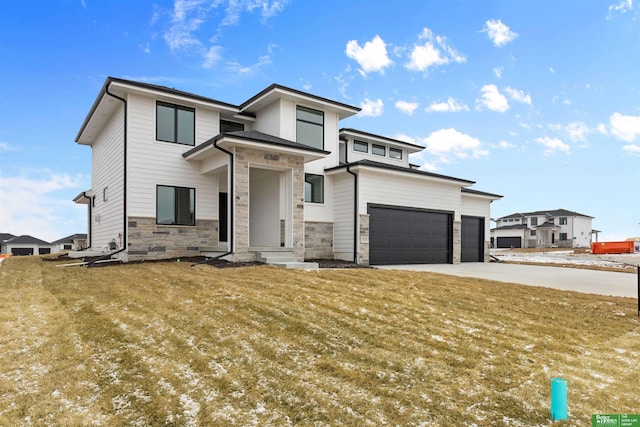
{"x":253,"y":139}
{"x":276,"y":92}
{"x":370,"y":137}
{"x":104,"y":105}
{"x":481,"y":194}
{"x":398,"y":170}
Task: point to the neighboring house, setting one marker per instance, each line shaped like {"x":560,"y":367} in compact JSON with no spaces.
{"x":178,"y":174}
{"x":543,"y":229}
{"x":23,"y":245}
{"x":75,"y":242}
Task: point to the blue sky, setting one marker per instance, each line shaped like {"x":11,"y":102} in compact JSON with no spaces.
{"x":538,"y":101}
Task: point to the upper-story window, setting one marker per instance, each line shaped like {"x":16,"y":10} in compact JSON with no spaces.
{"x":395,"y":153}
{"x":310,"y":127}
{"x":227,"y":126}
{"x":361,"y":146}
{"x":378,"y":150}
{"x":563,"y":220}
{"x":534,"y":221}
{"x":175,"y":123}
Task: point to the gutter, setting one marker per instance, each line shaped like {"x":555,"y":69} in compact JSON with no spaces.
{"x":355,"y":202}
{"x":230,"y":198}
{"x":124,"y":177}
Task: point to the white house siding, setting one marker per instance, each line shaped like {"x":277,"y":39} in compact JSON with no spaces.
{"x":581,"y":231}
{"x":343,"y":189}
{"x":268,"y":121}
{"x":152,"y":163}
{"x":389,"y":188}
{"x":477,"y":206}
{"x":107,"y":158}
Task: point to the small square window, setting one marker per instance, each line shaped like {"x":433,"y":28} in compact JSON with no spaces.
{"x":313,"y":188}
{"x":378,"y":150}
{"x":395,"y":153}
{"x":563,"y":236}
{"x":533,"y":232}
{"x":361,"y":146}
{"x":175,"y":205}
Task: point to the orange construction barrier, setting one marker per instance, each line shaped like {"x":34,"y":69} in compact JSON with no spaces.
{"x":612,"y":247}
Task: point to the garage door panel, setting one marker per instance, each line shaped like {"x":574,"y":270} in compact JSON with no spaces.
{"x":509,"y":242}
{"x":472,"y":239}
{"x":409,"y":236}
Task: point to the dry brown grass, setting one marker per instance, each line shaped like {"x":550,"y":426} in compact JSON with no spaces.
{"x":168,"y":344}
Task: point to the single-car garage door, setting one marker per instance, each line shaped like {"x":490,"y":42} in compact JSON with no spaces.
{"x":472,"y":239}
{"x":509,"y":242}
{"x":400,"y":235}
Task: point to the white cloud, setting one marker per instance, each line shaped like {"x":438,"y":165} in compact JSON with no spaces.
{"x":244,"y":70}
{"x":41,"y":205}
{"x":602,"y":129}
{"x":553,"y":145}
{"x":212,"y":56}
{"x":498,"y":72}
{"x":632,"y":149}
{"x":552,"y":70}
{"x":575,"y":131}
{"x":448,"y":144}
{"x":503,"y":144}
{"x":450,"y":106}
{"x":518,"y":95}
{"x":4,"y":146}
{"x":371,"y":108}
{"x":492,"y":99}
{"x":372,"y":57}
{"x":407,"y":107}
{"x":434,"y":51}
{"x":623,"y":7}
{"x":405,"y":138}
{"x":624,"y":127}
{"x":499,"y":33}
{"x":188,"y":16}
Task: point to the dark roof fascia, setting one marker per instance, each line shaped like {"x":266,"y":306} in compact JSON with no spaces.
{"x":511,"y":227}
{"x":549,"y":213}
{"x":369,"y":163}
{"x":26,"y":239}
{"x":384,"y":138}
{"x":480,"y":193}
{"x":246,"y":136}
{"x":299,"y":93}
{"x":70,"y":239}
{"x":148,"y":86}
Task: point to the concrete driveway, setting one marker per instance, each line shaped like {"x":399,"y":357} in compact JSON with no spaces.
{"x":568,"y":279}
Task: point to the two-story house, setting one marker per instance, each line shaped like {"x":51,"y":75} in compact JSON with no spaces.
{"x":543,"y":229}
{"x":179,"y":174}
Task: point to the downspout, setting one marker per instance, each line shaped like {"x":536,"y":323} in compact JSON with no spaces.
{"x":355,"y":202}
{"x":124,"y":178}
{"x":84,"y":194}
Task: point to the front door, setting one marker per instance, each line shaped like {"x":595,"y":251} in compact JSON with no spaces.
{"x":222,"y":217}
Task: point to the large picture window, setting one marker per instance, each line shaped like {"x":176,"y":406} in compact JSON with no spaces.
{"x":175,"y":124}
{"x":310,"y":127}
{"x":313,"y":188}
{"x":175,"y":205}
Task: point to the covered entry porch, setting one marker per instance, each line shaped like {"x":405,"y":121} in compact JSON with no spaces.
{"x":260,"y":180}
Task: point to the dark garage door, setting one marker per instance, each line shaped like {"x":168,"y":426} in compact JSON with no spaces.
{"x":409,"y":236}
{"x":509,"y":242}
{"x":472,"y":239}
{"x":22,"y":251}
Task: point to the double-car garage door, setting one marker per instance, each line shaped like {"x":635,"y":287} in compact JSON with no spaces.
{"x":400,"y":235}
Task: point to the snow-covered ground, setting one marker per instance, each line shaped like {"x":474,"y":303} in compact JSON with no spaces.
{"x":568,"y":257}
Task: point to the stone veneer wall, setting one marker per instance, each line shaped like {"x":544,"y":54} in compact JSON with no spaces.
{"x":147,"y":240}
{"x":457,"y":242}
{"x":244,"y":158}
{"x":363,"y":242}
{"x":318,"y":240}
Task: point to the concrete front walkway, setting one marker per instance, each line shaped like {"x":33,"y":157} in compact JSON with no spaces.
{"x":568,"y":279}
